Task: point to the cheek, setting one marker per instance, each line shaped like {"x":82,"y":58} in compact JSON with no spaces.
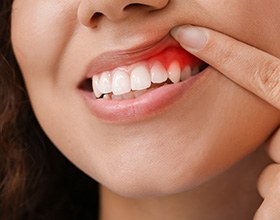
{"x":40,"y":30}
{"x":201,"y":141}
{"x":254,"y":23}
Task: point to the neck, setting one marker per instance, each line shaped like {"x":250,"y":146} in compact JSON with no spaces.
{"x":232,"y":195}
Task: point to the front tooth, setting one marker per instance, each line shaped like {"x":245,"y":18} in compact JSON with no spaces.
{"x":120,"y":82}
{"x":158,"y":73}
{"x":105,"y":83}
{"x":95,"y":86}
{"x":140,"y":78}
{"x":174,"y":72}
{"x":186,"y":73}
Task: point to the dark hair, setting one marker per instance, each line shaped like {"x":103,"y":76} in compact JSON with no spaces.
{"x":36,"y":181}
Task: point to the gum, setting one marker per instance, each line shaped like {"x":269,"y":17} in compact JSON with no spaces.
{"x":166,"y":57}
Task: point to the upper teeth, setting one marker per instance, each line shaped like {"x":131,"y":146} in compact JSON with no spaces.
{"x":121,"y":81}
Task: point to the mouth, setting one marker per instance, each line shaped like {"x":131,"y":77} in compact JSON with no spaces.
{"x":124,"y":86}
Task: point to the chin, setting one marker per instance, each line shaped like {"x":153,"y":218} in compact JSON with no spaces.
{"x":151,"y":172}
{"x":143,"y":185}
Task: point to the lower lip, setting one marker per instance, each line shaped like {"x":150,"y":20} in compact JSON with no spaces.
{"x":148,"y":105}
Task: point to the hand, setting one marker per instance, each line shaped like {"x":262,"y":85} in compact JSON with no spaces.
{"x":269,"y":183}
{"x":262,"y":69}
{"x":262,"y":78}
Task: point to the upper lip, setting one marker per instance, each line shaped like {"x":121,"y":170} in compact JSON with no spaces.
{"x":113,"y":59}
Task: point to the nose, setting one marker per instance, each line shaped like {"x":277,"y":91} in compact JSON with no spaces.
{"x":91,"y":11}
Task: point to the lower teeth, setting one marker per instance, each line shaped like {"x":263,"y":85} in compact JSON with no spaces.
{"x":130,"y":95}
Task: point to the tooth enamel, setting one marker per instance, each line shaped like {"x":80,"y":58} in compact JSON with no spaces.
{"x":158,"y":73}
{"x":140,"y":78}
{"x":95,"y":86}
{"x":186,"y":73}
{"x":120,"y":82}
{"x":174,"y":72}
{"x":117,"y":84}
{"x":105,"y":83}
{"x":195,"y":70}
{"x":107,"y":97}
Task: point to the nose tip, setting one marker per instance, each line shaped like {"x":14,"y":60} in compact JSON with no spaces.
{"x":91,"y":11}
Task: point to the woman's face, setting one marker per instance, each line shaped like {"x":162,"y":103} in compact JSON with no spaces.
{"x":168,"y":140}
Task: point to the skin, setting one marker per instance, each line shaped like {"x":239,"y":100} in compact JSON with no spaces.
{"x":210,"y":129}
{"x":262,"y":78}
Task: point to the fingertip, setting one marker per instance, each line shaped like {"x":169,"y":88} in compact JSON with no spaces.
{"x":191,"y":37}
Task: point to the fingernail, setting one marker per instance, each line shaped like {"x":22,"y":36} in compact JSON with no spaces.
{"x":190,"y":37}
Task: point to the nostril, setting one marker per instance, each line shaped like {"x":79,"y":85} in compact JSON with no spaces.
{"x":95,"y":17}
{"x":135,"y":5}
{"x":90,"y":13}
{"x":151,"y":5}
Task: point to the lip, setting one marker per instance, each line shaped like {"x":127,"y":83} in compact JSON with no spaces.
{"x":148,"y":105}
{"x":145,"y":106}
{"x":112,"y":59}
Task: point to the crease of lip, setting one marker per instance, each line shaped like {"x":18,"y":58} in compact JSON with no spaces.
{"x":113,"y":59}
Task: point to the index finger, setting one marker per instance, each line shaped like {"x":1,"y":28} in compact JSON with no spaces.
{"x":251,"y":68}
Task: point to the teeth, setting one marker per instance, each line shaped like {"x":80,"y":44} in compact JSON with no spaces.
{"x":126,"y":96}
{"x":174,"y":72}
{"x":120,"y":82}
{"x":95,"y":83}
{"x":106,"y":96}
{"x":105,"y":83}
{"x":158,"y":73}
{"x":140,"y":78}
{"x":186,"y":73}
{"x":117,"y":84}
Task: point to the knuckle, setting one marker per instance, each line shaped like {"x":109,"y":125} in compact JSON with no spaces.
{"x":267,"y":79}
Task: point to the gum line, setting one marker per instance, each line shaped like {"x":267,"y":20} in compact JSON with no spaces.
{"x":157,"y":69}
